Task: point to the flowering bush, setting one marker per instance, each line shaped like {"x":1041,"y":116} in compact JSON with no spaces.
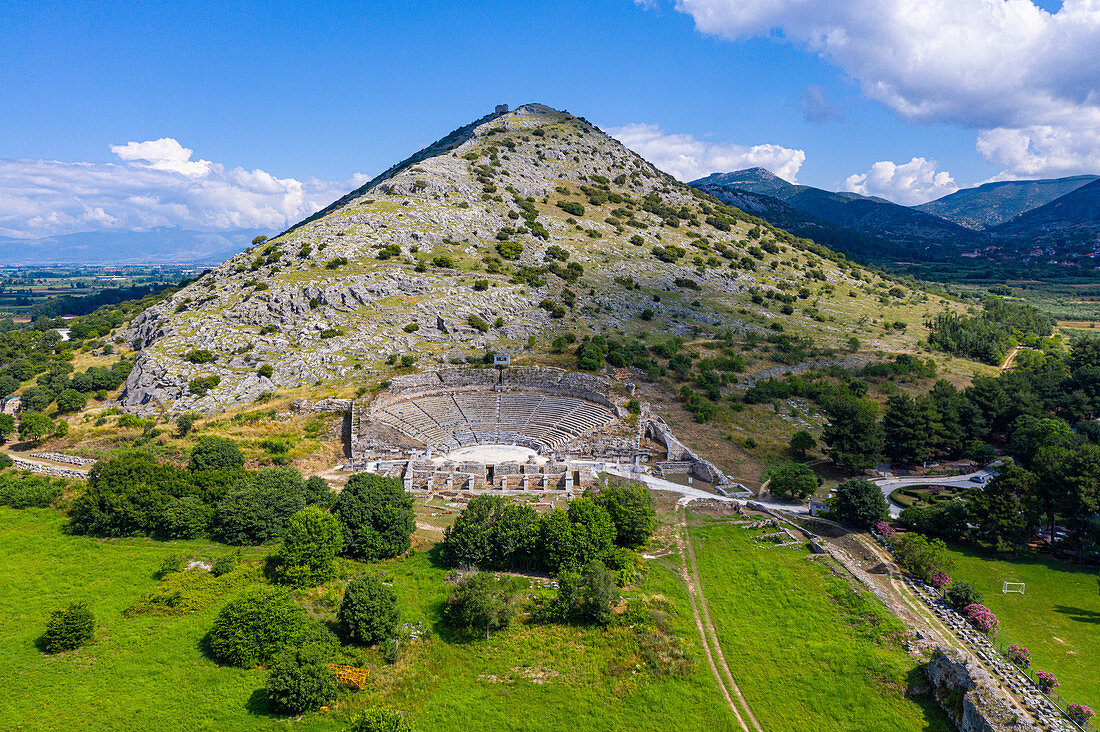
{"x":1080,"y":713}
{"x":1019,"y":655}
{"x":981,"y":617}
{"x":885,"y":530}
{"x":1047,"y":681}
{"x":940,"y":580}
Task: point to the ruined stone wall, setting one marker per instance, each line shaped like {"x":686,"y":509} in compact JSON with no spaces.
{"x":679,"y":452}
{"x":970,"y":696}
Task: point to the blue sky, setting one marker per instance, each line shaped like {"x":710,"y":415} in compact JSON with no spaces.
{"x":328,"y":94}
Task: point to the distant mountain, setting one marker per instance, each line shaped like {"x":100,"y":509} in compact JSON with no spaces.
{"x":892,"y":231}
{"x":1064,"y":229}
{"x":988,"y":205}
{"x":158,"y":246}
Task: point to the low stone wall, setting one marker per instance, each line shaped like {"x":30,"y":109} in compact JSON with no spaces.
{"x":59,"y":457}
{"x":970,"y":696}
{"x":49,"y":470}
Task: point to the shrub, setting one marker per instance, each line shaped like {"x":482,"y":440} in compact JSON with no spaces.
{"x":202,"y":384}
{"x":252,"y":629}
{"x":377,"y":517}
{"x":885,"y":530}
{"x":184,"y":423}
{"x":1019,"y":655}
{"x":266,"y":371}
{"x":960,"y":594}
{"x":510,"y":250}
{"x":300,"y":681}
{"x":310,"y":544}
{"x":380,"y":720}
{"x":1080,"y":713}
{"x":225,"y":564}
{"x":587,"y":596}
{"x":920,"y":555}
{"x":412,"y":327}
{"x":478,"y":324}
{"x":69,"y":628}
{"x":368,"y":613}
{"x":28,"y":491}
{"x":940,"y":580}
{"x":981,"y":617}
{"x":1046,"y":681}
{"x":215,"y":453}
{"x":6,"y":460}
{"x":571,"y":207}
{"x":199,"y":355}
{"x":480,"y":601}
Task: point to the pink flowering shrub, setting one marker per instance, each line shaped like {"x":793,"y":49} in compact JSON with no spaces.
{"x":940,"y":580}
{"x":885,"y":530}
{"x":1080,"y":713}
{"x":1047,"y":681}
{"x":1019,"y":655}
{"x":981,"y":617}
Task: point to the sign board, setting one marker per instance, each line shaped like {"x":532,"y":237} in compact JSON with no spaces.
{"x":501,"y":360}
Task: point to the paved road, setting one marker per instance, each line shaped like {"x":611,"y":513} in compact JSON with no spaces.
{"x":889,"y":485}
{"x":688,"y":493}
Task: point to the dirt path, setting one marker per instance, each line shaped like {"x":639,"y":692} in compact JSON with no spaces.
{"x":707,"y":633}
{"x":1008,"y":359}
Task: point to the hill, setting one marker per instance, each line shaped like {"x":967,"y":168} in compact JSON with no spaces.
{"x":898,"y":232}
{"x":1064,"y":230}
{"x":990,"y":204}
{"x":518,"y":233}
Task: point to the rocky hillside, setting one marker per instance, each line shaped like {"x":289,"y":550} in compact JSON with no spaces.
{"x":510,"y":232}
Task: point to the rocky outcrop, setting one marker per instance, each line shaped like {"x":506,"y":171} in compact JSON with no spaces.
{"x":971,"y":697}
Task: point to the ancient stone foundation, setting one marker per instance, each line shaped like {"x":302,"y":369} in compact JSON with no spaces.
{"x":971,"y":697}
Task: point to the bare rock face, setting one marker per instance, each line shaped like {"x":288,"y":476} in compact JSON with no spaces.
{"x":449,"y":252}
{"x":971,"y":697}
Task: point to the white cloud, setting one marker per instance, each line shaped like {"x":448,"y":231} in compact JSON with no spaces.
{"x":156,"y":184}
{"x":990,"y":65}
{"x":909,"y":183}
{"x":688,"y":158}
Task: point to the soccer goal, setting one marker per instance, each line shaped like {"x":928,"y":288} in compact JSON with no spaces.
{"x":1008,"y":587}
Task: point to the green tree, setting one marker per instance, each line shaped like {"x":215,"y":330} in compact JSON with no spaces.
{"x":126,"y":494}
{"x":71,"y":400}
{"x":920,"y":555}
{"x":859,"y":503}
{"x":960,"y":594}
{"x":853,"y":434}
{"x":801,"y":443}
{"x":69,"y":628}
{"x":514,"y":537}
{"x":906,"y":430}
{"x":215,"y":453}
{"x":252,"y":629}
{"x":184,"y":423}
{"x":999,"y":508}
{"x":791,"y":480}
{"x":469,"y":541}
{"x":1030,"y":434}
{"x":1081,"y":500}
{"x":377,"y":517}
{"x":631,"y":509}
{"x":183,"y":518}
{"x":380,"y":720}
{"x":480,"y":602}
{"x":310,"y":544}
{"x":7,"y":426}
{"x":33,"y":426}
{"x":256,"y":510}
{"x":368,"y":613}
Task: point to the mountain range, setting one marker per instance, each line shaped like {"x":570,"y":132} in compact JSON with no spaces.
{"x":1040,"y":221}
{"x":166,"y":245}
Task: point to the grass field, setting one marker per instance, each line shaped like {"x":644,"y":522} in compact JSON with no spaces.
{"x":807,"y":652}
{"x":148,"y":672}
{"x":1058,"y":617}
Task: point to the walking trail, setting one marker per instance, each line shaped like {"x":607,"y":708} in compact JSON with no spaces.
{"x":711,"y":647}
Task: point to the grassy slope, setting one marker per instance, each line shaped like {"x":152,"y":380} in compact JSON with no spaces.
{"x":1058,"y":617}
{"x":801,"y":659}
